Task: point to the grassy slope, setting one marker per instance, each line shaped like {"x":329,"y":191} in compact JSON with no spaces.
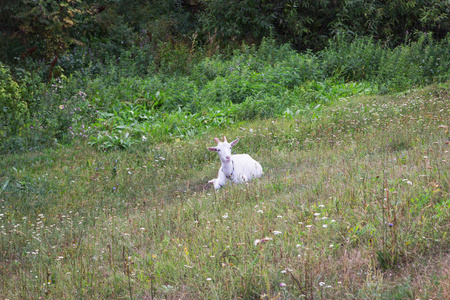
{"x":355,"y":198}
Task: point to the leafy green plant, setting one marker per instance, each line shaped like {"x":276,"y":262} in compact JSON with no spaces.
{"x":416,"y":64}
{"x":253,"y":82}
{"x":354,"y":60}
{"x":13,"y":109}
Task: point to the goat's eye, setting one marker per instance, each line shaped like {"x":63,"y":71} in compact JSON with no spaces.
{"x":218,"y":150}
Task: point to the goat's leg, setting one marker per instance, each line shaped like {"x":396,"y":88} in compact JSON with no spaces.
{"x":243,"y":178}
{"x":215,"y":183}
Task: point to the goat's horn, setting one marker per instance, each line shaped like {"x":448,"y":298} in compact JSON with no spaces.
{"x":216,"y":140}
{"x":224,"y":138}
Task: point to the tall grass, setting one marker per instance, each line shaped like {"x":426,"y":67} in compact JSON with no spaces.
{"x":354,"y":203}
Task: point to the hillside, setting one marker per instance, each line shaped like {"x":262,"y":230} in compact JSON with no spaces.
{"x":107,"y":110}
{"x":354,"y":203}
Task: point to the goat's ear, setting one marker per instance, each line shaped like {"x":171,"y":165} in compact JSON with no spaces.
{"x":216,"y":140}
{"x":234,"y":142}
{"x":212,"y":148}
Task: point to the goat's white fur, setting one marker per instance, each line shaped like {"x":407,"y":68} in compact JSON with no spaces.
{"x":236,"y":168}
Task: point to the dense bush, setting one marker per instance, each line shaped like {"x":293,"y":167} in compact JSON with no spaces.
{"x":36,"y":115}
{"x":358,"y":60}
{"x":125,"y":100}
{"x":13,"y":110}
{"x":414,"y":63}
{"x":419,"y":63}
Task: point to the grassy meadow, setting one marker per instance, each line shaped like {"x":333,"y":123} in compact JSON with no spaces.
{"x":105,"y":120}
{"x":354,"y":204}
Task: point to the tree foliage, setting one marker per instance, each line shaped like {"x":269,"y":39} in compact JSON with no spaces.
{"x":46,"y":28}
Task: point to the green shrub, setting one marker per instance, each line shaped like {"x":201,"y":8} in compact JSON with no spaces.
{"x":353,"y":60}
{"x":13,"y":109}
{"x":135,"y":94}
{"x":419,"y":63}
{"x":43,"y":114}
{"x":263,"y":106}
{"x":236,"y":87}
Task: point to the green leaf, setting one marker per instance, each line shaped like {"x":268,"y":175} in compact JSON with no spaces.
{"x":68,"y":21}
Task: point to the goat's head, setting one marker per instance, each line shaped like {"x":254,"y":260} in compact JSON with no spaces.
{"x":223,"y":149}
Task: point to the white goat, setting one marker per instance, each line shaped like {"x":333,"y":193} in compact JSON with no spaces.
{"x":235,"y":168}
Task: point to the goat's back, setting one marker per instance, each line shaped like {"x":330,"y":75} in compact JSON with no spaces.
{"x":244,"y":164}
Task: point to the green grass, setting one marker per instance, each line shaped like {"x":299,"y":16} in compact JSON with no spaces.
{"x":354,"y":200}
